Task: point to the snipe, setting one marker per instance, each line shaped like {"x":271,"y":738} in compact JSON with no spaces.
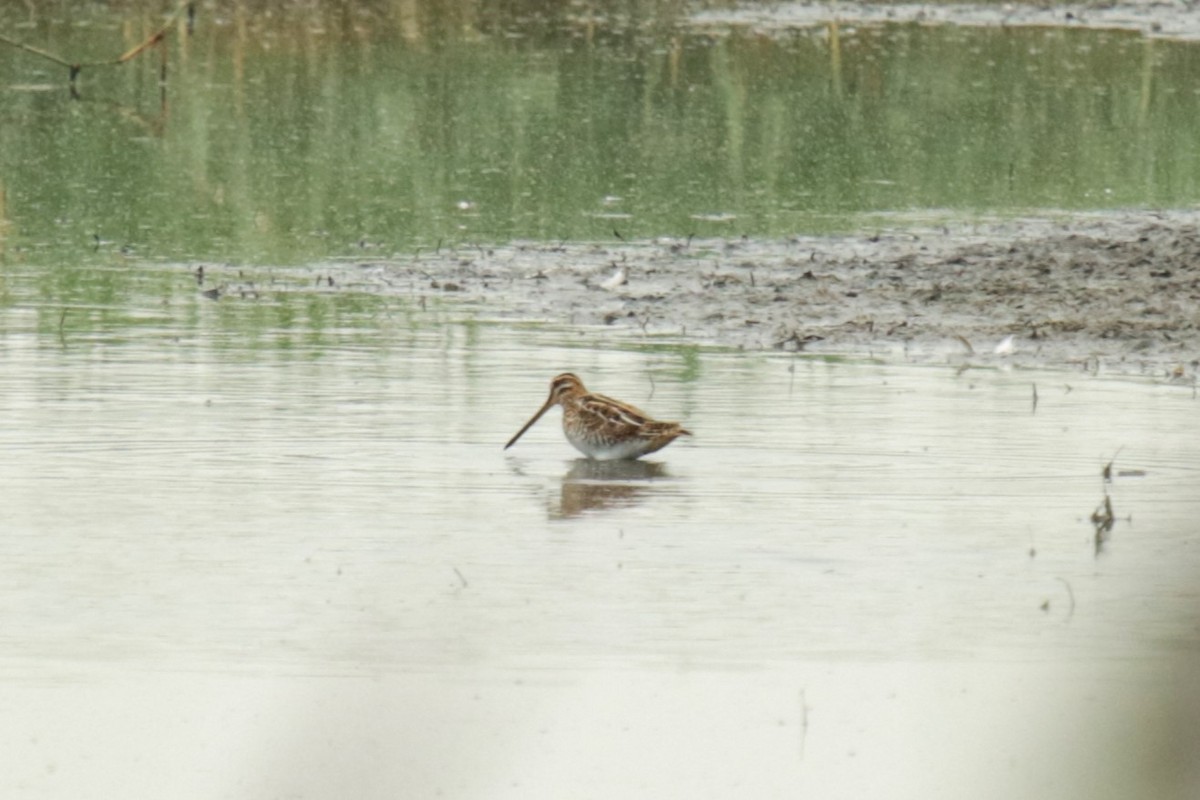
{"x":600,"y":427}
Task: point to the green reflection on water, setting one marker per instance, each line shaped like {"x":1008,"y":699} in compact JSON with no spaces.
{"x":286,"y":143}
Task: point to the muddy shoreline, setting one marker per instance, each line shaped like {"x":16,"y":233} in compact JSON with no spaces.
{"x":1113,"y":292}
{"x":1151,"y":18}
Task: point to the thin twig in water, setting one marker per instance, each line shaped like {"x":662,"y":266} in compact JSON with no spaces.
{"x":1103,"y":520}
{"x":36,"y":51}
{"x":1106,"y":473}
{"x":155,"y":38}
{"x":461,"y":577}
{"x":1070,"y":596}
{"x":651,"y":397}
{"x":803,"y":723}
{"x":1034,"y":411}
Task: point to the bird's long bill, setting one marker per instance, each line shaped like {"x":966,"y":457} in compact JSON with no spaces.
{"x":529,"y":424}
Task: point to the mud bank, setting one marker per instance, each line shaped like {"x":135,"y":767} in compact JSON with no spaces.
{"x":1112,"y":292}
{"x":1148,"y":17}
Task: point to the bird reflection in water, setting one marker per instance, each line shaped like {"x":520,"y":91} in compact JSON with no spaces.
{"x":591,"y":485}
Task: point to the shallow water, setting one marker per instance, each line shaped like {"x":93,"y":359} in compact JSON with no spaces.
{"x":217,"y":536}
{"x":271,"y":545}
{"x":357,"y":129}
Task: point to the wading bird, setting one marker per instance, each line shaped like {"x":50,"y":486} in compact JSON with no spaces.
{"x":600,"y":427}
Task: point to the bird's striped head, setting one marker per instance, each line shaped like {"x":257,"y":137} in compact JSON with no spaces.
{"x":565,"y":385}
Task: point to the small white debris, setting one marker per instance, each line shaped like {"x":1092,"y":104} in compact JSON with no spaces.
{"x":1006,"y":347}
{"x":618,"y":278}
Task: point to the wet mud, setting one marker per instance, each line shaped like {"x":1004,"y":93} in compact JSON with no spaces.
{"x":1104,"y":292}
{"x":1148,"y":17}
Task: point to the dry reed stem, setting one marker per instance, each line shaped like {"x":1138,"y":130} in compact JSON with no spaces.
{"x":157,"y":37}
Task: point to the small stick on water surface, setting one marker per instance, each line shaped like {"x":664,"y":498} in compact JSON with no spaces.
{"x":803,"y":723}
{"x":1034,"y":411}
{"x":37,"y":51}
{"x":1106,"y":473}
{"x":1070,"y":596}
{"x":157,"y":37}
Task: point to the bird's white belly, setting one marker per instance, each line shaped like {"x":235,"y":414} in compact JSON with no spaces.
{"x":607,"y":451}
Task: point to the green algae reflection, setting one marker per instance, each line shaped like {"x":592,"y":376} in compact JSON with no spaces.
{"x":284,"y":141}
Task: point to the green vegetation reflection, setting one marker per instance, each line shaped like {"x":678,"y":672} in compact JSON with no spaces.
{"x":285,"y":145}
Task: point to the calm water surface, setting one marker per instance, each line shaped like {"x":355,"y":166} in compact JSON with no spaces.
{"x":271,"y":546}
{"x":234,"y":534}
{"x":338,"y":127}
